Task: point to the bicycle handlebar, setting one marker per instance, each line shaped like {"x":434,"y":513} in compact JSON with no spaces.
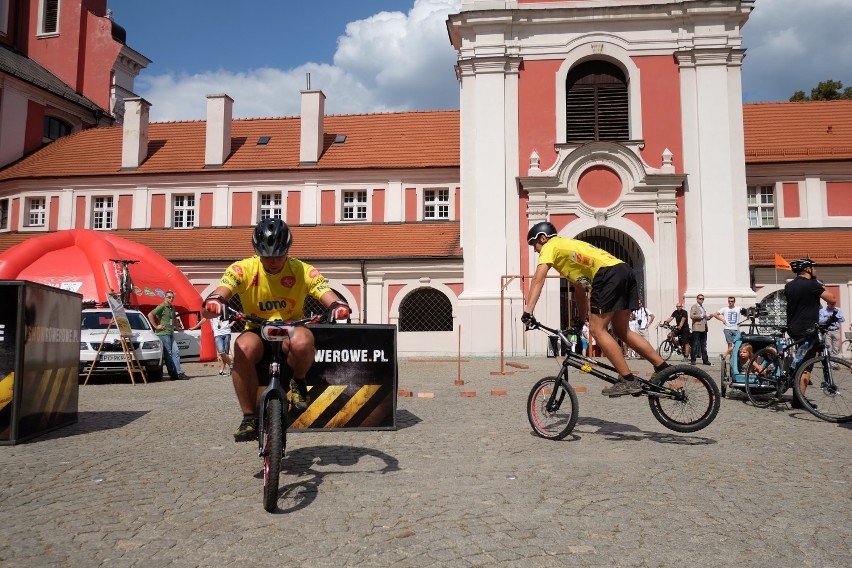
{"x":232,"y":314}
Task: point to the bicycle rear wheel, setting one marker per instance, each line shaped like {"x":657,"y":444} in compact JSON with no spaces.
{"x":698,"y":404}
{"x":831,"y":399}
{"x":763,"y":378}
{"x":273,"y":447}
{"x":557,"y":421}
{"x":666,"y":349}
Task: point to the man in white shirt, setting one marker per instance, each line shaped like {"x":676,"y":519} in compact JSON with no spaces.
{"x":730,"y":316}
{"x":644,"y":318}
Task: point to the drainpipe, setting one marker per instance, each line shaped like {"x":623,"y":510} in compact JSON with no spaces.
{"x":363,"y":291}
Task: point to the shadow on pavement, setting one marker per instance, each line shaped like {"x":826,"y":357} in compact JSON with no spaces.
{"x":94,"y":422}
{"x":405,"y":419}
{"x":307,"y":464}
{"x":627,"y":432}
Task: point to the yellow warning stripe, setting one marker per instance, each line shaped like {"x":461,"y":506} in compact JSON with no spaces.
{"x":6,"y":389}
{"x":318,"y":406}
{"x":364,"y":394}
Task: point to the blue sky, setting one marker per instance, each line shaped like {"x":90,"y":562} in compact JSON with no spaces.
{"x":388,"y":55}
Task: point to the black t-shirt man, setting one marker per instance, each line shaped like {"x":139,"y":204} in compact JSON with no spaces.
{"x":803,"y":294}
{"x":679,"y":315}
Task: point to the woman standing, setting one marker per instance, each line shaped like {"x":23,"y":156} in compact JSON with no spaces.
{"x":222,"y":336}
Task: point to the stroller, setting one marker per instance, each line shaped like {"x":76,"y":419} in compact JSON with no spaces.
{"x":733,"y":377}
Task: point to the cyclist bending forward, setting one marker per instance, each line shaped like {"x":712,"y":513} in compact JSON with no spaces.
{"x":614,"y":295}
{"x":271,"y":285}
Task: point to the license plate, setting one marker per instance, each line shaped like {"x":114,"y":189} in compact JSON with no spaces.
{"x":113,"y":357}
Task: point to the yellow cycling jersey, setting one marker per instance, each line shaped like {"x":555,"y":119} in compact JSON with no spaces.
{"x":274,"y":296}
{"x":576,"y":260}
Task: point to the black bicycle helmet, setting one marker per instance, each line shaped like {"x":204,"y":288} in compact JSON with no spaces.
{"x":543,"y":228}
{"x":272,"y":237}
{"x":800,"y":264}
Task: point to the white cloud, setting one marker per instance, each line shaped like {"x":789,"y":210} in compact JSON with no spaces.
{"x":389,"y":61}
{"x":793,"y":45}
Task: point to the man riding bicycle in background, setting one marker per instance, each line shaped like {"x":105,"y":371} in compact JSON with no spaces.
{"x":273,"y":286}
{"x":615,"y":294}
{"x":803,"y":294}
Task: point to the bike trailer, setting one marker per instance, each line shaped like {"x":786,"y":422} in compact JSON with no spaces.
{"x":731,"y":370}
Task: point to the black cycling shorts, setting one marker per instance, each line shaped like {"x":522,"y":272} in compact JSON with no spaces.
{"x":614,"y":289}
{"x":262,"y":367}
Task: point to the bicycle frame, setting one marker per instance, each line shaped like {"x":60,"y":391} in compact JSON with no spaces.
{"x":589,"y":366}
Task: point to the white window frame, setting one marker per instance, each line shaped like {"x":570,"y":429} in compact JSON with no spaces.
{"x":40,"y":212}
{"x":271,"y":209}
{"x":758,"y":206}
{"x":354,"y":205}
{"x":103,"y":213}
{"x":435,"y":202}
{"x":185,"y":205}
{"x":42,"y":5}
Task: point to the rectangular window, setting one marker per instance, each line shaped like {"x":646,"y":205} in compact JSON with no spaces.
{"x":761,"y":206}
{"x":354,"y":205}
{"x":270,"y":205}
{"x":36,"y":211}
{"x":48,"y":16}
{"x":102,"y":213}
{"x":4,"y":16}
{"x":183,"y":208}
{"x":436,"y":203}
{"x":4,"y":214}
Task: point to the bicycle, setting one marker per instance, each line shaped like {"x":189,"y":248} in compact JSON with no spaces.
{"x":846,"y":344}
{"x":122,"y":274}
{"x":272,"y":408}
{"x":773,"y":370}
{"x":682,"y":398}
{"x":671,"y":344}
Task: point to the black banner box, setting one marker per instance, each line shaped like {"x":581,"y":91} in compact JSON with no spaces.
{"x":352,"y":384}
{"x":39,"y":359}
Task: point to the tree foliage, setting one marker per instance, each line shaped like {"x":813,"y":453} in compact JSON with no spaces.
{"x":829,"y":90}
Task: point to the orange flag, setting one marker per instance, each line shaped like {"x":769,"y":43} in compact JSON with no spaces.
{"x":780,"y":263}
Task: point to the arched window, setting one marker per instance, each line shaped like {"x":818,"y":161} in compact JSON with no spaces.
{"x":426,"y":309}
{"x":776,"y":304}
{"x":596,"y":103}
{"x":55,"y":128}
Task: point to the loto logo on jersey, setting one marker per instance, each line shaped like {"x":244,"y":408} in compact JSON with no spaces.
{"x":313,"y":273}
{"x":288,"y":281}
{"x":580,"y":258}
{"x":271,"y":305}
{"x":238,"y":270}
{"x":350,"y":356}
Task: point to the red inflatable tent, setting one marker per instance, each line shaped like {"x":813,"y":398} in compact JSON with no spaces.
{"x":80,"y":260}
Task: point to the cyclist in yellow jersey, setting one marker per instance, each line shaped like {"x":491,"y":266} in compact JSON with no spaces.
{"x":271,"y":285}
{"x":614,"y":294}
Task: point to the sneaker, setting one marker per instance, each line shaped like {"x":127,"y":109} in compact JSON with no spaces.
{"x":622,"y":388}
{"x":685,"y":359}
{"x":182,"y":377}
{"x":298,"y":394}
{"x":247,"y":431}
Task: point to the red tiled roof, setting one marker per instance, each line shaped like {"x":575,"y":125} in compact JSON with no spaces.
{"x":798,"y":132}
{"x":825,"y":246}
{"x":421,"y":139}
{"x":310,"y":243}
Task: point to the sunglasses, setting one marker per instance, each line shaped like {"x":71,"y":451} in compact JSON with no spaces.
{"x":700,"y":297}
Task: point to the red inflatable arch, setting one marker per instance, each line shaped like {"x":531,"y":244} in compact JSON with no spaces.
{"x":79,"y":260}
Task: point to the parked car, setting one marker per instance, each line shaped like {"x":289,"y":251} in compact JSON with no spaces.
{"x":188,"y":339}
{"x":111,"y":360}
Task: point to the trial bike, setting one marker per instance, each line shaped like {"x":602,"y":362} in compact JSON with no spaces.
{"x":272,"y":408}
{"x":826,"y":380}
{"x":682,"y":398}
{"x":671,"y":344}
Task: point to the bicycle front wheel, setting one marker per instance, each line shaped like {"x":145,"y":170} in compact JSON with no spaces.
{"x":696,"y":405}
{"x":552,"y":408}
{"x":273,"y":447}
{"x":825,"y":391}
{"x":666,"y":349}
{"x":763,"y":378}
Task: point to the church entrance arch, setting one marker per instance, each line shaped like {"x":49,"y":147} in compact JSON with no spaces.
{"x":620,"y":245}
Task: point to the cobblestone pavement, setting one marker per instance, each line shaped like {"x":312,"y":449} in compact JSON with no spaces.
{"x":150,"y":476}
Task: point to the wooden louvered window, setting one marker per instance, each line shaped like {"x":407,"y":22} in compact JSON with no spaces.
{"x":49,"y":16}
{"x":596,"y":103}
